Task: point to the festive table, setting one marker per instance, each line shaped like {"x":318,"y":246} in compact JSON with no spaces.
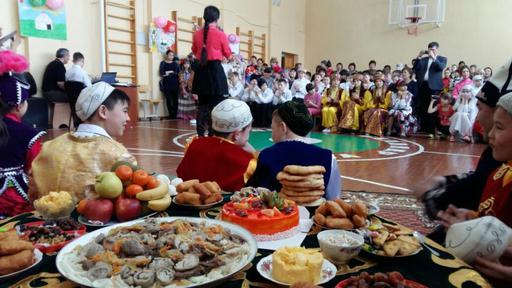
{"x":424,"y":267}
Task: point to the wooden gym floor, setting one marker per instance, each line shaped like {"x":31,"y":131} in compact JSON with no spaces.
{"x":386,"y":170}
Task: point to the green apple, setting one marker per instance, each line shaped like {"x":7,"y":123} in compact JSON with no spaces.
{"x":108,"y":185}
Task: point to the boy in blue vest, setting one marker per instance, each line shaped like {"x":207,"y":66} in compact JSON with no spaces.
{"x":291,"y":122}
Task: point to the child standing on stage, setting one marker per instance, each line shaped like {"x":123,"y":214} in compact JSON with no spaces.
{"x":19,"y":143}
{"x":186,"y":103}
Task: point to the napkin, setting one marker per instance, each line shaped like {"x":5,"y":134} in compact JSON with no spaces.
{"x":486,"y":237}
{"x":305,"y":224}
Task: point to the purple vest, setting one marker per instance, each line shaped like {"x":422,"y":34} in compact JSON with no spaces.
{"x":13,"y":156}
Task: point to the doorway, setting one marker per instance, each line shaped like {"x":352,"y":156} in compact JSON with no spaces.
{"x":288,"y":60}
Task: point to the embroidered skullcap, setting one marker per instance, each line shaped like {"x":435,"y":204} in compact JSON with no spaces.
{"x":505,"y":102}
{"x":296,"y":116}
{"x":91,"y":98}
{"x":499,"y":85}
{"x":231,"y":115}
{"x":14,"y":88}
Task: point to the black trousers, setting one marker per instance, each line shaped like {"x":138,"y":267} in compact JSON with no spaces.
{"x":426,"y":120}
{"x":204,"y":114}
{"x":171,"y":100}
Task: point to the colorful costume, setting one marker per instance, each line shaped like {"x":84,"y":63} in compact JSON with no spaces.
{"x":217,"y":159}
{"x":376,"y":112}
{"x":186,"y":105}
{"x":316,"y":99}
{"x":22,"y":142}
{"x":71,"y":161}
{"x":352,"y":108}
{"x":330,"y":104}
{"x":497,"y":198}
{"x":401,"y":111}
{"x":461,"y":122}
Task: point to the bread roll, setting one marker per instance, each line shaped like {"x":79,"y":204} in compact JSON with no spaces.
{"x":339,"y":223}
{"x":335,"y":209}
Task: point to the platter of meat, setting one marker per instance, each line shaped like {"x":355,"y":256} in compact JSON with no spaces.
{"x":157,"y":252}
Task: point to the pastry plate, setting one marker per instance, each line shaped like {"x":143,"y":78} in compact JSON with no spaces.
{"x":38,"y":256}
{"x":90,"y":223}
{"x":198,"y":207}
{"x":264,"y":267}
{"x":65,"y":255}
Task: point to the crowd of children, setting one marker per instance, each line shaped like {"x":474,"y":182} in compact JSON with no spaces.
{"x":374,"y":101}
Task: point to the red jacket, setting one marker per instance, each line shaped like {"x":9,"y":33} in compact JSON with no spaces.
{"x":216,"y":44}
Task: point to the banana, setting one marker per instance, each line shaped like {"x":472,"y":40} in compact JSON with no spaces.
{"x":160,"y":204}
{"x":155,"y":193}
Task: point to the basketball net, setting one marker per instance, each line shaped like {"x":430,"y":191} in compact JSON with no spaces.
{"x":412,"y":28}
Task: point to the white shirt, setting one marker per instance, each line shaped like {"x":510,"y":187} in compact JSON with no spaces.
{"x":299,"y":88}
{"x":282,"y":97}
{"x":90,"y":130}
{"x":76,"y":73}
{"x":265,"y":97}
{"x":237,"y":90}
{"x":430,"y":60}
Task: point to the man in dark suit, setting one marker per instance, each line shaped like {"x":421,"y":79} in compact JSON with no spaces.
{"x":428,"y":67}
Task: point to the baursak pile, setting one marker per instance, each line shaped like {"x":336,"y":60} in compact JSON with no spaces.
{"x":302,"y":184}
{"x":15,"y":254}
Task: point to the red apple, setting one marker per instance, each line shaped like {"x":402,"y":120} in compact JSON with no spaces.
{"x":99,"y":210}
{"x":127,"y":208}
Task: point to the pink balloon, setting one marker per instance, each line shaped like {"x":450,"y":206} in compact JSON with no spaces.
{"x":232,"y":38}
{"x":159,"y":21}
{"x":54,"y":4}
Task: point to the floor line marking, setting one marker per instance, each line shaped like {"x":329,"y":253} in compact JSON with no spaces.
{"x":177,"y":143}
{"x":420,"y":150}
{"x":376,"y":183}
{"x":452,"y":154}
{"x":156,"y":150}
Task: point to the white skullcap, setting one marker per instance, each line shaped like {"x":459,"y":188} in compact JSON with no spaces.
{"x":505,"y":102}
{"x":477,"y":77}
{"x":91,"y":98}
{"x":231,"y":115}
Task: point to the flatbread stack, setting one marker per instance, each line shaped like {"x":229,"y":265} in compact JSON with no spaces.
{"x":302,"y":184}
{"x":15,"y":254}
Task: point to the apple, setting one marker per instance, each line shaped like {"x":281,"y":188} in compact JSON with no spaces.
{"x":108,"y":185}
{"x":127,"y":208}
{"x":99,"y":210}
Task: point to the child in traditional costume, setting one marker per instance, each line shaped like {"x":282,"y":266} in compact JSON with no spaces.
{"x":227,"y":157}
{"x":186,"y":103}
{"x":71,"y":161}
{"x":400,"y":115}
{"x":377,"y":108}
{"x":330,"y":104}
{"x":462,"y":121}
{"x":313,"y":100}
{"x":352,"y":104}
{"x":19,"y":143}
{"x":291,"y":122}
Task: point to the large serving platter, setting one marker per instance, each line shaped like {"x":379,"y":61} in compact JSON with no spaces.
{"x":64,"y":256}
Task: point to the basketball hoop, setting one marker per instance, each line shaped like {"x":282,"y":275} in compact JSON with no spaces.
{"x":412,"y":26}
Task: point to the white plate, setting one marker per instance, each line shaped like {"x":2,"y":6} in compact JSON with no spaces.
{"x":38,"y":256}
{"x":264,"y":267}
{"x":89,"y":223}
{"x":66,"y":270}
{"x":199,"y":207}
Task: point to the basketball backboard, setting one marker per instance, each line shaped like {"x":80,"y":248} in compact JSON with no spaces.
{"x":427,"y":11}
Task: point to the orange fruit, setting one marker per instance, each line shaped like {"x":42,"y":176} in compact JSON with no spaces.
{"x":124,"y":172}
{"x":152,"y":183}
{"x":132,"y":190}
{"x":82,"y":206}
{"x":140,"y":177}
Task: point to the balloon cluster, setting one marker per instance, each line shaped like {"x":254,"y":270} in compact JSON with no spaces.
{"x":164,"y":24}
{"x":51,"y":4}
